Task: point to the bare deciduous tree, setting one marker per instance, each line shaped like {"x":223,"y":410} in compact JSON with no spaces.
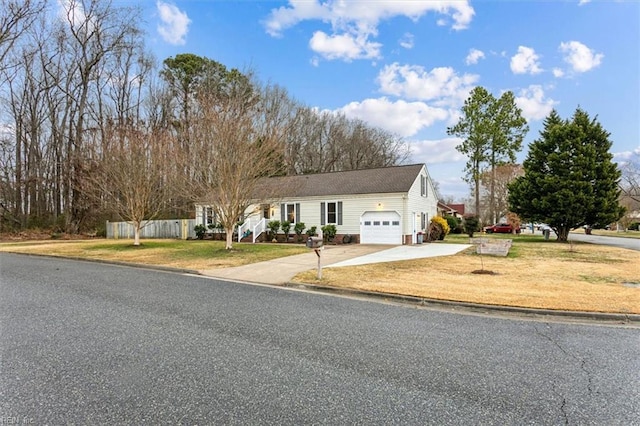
{"x":499,"y":178}
{"x":233,"y":150}
{"x":129,"y":176}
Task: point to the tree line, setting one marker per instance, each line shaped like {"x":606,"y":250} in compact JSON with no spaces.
{"x":92,"y":127}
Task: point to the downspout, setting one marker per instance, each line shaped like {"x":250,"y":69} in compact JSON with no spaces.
{"x":405,"y":208}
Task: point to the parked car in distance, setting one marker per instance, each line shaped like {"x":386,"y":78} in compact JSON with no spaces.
{"x":500,"y":228}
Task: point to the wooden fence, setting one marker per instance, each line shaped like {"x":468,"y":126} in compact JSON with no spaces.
{"x":174,"y":228}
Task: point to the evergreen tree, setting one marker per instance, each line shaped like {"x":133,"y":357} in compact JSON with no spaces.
{"x":492,"y":131}
{"x":570,"y":179}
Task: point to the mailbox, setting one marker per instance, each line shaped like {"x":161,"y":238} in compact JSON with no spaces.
{"x":314,"y":242}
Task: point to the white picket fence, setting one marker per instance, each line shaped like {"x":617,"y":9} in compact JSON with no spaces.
{"x":172,"y":228}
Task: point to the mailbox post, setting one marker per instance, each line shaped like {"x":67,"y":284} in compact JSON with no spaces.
{"x":317,"y":245}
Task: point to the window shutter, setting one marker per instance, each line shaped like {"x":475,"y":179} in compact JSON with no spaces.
{"x":339,"y":212}
{"x":297,"y":212}
{"x":322,"y":214}
{"x":283,"y":212}
{"x":422,"y":185}
{"x":426,"y":186}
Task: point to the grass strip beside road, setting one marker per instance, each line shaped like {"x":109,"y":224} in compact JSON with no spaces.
{"x":194,"y":255}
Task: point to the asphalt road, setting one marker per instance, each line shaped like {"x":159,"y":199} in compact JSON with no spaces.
{"x":87,"y":343}
{"x":628,"y":243}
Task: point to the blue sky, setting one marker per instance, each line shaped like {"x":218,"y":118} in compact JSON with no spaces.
{"x":408,"y":66}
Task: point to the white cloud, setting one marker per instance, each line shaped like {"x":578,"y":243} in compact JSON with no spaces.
{"x":579,"y":56}
{"x":533,"y":103}
{"x":345,"y":46}
{"x":400,"y":117}
{"x":474,"y":56}
{"x":583,"y":2}
{"x":73,"y":12}
{"x":436,"y":151}
{"x":526,"y":61}
{"x":557,"y":72}
{"x":357,"y":21}
{"x":174,"y":23}
{"x":441,"y":85}
{"x":626,"y":156}
{"x":407,"y":41}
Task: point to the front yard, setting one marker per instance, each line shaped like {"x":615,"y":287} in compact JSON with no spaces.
{"x":536,"y":273}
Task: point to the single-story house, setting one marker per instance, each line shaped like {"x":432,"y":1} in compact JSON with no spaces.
{"x":388,"y":205}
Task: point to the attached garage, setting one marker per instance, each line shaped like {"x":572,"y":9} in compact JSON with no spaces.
{"x":380,"y":227}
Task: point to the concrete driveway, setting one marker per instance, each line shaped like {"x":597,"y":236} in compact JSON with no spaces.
{"x":280,"y":271}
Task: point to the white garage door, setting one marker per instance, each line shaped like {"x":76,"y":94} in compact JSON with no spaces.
{"x":380,"y":228}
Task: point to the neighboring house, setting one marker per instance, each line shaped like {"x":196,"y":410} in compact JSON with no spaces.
{"x":387,"y":205}
{"x":458,"y":208}
{"x":445,"y":210}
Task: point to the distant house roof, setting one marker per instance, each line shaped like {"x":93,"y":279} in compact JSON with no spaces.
{"x":380,"y":180}
{"x":451,"y":208}
{"x":458,"y":207}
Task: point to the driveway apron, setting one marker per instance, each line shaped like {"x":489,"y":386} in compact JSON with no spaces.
{"x":282,"y":270}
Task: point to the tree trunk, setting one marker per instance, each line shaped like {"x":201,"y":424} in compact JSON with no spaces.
{"x":136,"y":233}
{"x":563,"y":233}
{"x":229,"y":244}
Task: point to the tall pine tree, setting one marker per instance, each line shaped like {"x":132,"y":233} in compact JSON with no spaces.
{"x":492,"y":131}
{"x":570,"y":179}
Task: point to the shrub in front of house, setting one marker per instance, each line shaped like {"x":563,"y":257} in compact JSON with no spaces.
{"x":200,"y":230}
{"x":298,"y":228}
{"x":286,"y":226}
{"x":312,"y":232}
{"x":274,"y":227}
{"x":438,"y":228}
{"x":455,"y":224}
{"x":329,"y":232}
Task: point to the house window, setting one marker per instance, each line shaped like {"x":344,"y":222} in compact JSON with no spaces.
{"x":331,"y":213}
{"x":290,"y":212}
{"x":424,"y":185}
{"x":209,"y":217}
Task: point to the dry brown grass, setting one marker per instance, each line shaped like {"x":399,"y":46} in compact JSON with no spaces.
{"x":551,"y":276}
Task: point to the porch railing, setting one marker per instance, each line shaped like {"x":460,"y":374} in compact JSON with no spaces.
{"x":250,"y":226}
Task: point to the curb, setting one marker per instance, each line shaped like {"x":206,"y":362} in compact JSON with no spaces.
{"x":631,"y":319}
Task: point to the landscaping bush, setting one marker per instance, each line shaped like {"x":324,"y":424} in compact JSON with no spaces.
{"x":635,"y":226}
{"x":298,"y":228}
{"x":455,"y":224}
{"x":329,"y":232}
{"x":471,"y":224}
{"x":286,"y":226}
{"x":438,"y":228}
{"x":274,"y":227}
{"x":200,"y":230}
{"x":312,"y":232}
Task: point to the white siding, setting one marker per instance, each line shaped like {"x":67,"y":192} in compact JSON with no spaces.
{"x":417,"y":204}
{"x":353,"y":206}
{"x":409,"y":205}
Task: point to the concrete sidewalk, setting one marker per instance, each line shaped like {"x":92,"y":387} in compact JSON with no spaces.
{"x":280,"y":271}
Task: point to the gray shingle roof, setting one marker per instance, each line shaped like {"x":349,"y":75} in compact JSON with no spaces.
{"x":352,"y":182}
